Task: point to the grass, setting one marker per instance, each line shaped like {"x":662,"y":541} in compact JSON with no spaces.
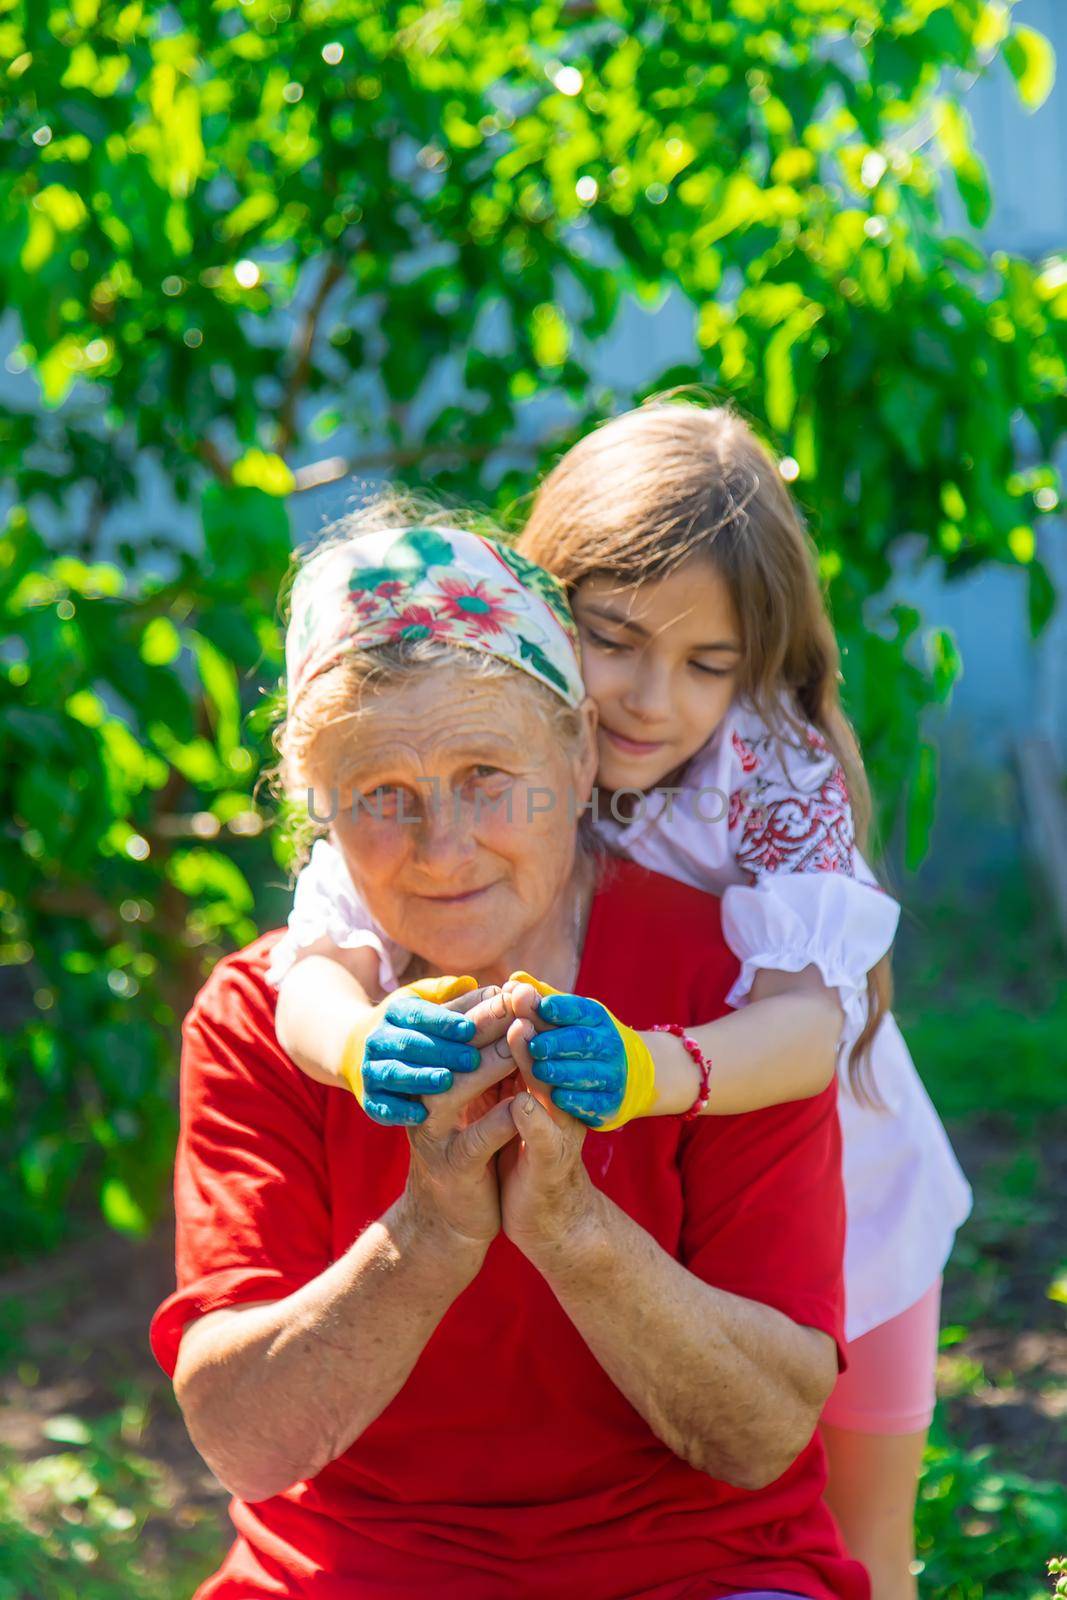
{"x":81,"y":1523}
{"x":984,"y":1008}
{"x":981,"y":998}
{"x":981,"y":1531}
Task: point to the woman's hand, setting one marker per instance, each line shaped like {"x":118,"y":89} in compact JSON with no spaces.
{"x":452,"y":1180}
{"x":599,"y":1070}
{"x":411,"y":1045}
{"x":550,"y":1208}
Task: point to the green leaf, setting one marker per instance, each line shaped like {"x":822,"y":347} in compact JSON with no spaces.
{"x":259,"y":469}
{"x":921,"y":803}
{"x":1041,"y":597}
{"x":741,"y":203}
{"x":946,"y":663}
{"x":954,"y":135}
{"x":101,"y":75}
{"x":57,"y":370}
{"x":246,"y":533}
{"x":121,"y":1210}
{"x":549,"y":336}
{"x":196,"y":759}
{"x":198,"y":872}
{"x":909,"y":405}
{"x":66,"y":1429}
{"x":87,"y":708}
{"x":781,"y":394}
{"x":161,"y":643}
{"x":1032,"y":62}
{"x":220,"y":686}
{"x":39,"y":245}
{"x":253,"y":209}
{"x":61,"y":206}
{"x":1022,"y":543}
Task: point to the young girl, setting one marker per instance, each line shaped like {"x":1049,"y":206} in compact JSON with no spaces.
{"x":724,"y":761}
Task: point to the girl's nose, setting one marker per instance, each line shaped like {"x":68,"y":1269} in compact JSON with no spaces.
{"x":648,"y":694}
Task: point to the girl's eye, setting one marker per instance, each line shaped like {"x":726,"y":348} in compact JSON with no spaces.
{"x":603,"y":643}
{"x":710,"y":672}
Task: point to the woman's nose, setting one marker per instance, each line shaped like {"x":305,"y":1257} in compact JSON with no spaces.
{"x":444,"y":841}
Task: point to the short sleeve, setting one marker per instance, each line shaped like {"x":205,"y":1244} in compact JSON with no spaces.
{"x":326,"y":905}
{"x":838,"y":924}
{"x":765,"y":1209}
{"x":251,"y":1204}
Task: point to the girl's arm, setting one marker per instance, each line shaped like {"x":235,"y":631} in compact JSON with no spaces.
{"x":325,"y":994}
{"x":781,"y":1046}
{"x":390,"y":1052}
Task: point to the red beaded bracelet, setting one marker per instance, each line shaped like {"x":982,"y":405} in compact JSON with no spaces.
{"x":703,"y":1066}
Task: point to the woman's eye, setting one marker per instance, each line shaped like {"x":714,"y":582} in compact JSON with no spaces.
{"x":710,"y":672}
{"x":384,"y":801}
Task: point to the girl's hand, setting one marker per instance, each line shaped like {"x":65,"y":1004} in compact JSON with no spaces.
{"x":600,"y":1071}
{"x":409,"y":1046}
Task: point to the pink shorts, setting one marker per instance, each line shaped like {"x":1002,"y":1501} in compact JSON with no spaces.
{"x":890,"y":1384}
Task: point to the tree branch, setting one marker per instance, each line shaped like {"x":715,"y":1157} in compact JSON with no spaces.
{"x":331,"y":469}
{"x":213,"y":459}
{"x":301,"y":351}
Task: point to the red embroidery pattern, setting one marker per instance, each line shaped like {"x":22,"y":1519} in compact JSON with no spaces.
{"x":784,"y":831}
{"x":745,"y":754}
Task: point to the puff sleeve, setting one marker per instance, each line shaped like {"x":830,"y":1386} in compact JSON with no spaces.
{"x":326,"y":905}
{"x":810,"y":899}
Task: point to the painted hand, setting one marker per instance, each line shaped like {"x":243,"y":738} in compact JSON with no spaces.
{"x":600,"y":1071}
{"x":409,"y":1046}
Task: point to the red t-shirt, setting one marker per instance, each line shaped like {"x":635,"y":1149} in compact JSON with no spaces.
{"x":510,"y":1467}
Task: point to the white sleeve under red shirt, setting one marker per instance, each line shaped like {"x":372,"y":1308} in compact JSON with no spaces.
{"x":510,"y":1464}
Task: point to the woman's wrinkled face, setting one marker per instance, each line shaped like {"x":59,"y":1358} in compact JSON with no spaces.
{"x":455,"y":812}
{"x":661,"y":660}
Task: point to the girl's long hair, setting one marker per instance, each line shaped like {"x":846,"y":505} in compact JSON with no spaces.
{"x":672,"y":479}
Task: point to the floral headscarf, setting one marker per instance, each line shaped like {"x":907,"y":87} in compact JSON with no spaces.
{"x":431,"y":583}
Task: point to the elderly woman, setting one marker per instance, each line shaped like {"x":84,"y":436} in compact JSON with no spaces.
{"x":486,"y":1356}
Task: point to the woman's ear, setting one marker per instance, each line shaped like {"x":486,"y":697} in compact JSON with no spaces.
{"x":587,"y":758}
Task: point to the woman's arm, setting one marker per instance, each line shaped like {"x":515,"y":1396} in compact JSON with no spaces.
{"x":782,"y":1046}
{"x":731,"y":1385}
{"x":272,"y":1392}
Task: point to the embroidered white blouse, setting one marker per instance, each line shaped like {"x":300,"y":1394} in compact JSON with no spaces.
{"x":765,"y":822}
